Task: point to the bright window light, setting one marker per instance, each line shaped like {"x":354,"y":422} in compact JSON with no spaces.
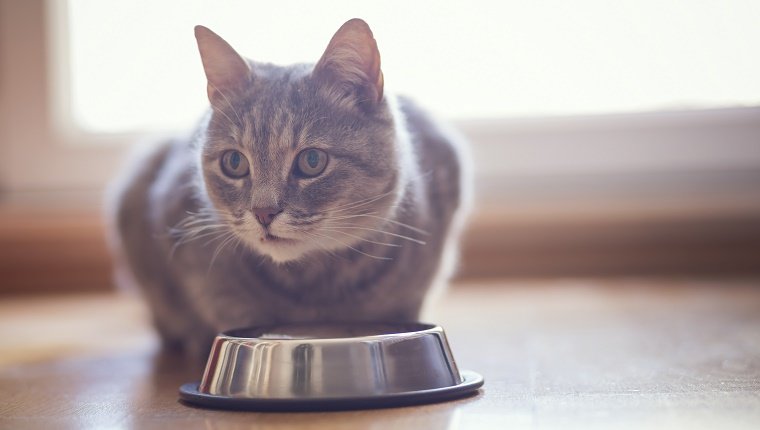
{"x":134,"y":65}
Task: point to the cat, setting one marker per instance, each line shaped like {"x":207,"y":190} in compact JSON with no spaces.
{"x":306,"y":193}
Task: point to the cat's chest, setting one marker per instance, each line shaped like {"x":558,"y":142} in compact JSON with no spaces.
{"x":236,"y":292}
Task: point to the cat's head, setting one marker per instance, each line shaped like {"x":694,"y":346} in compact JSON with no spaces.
{"x":301,"y":158}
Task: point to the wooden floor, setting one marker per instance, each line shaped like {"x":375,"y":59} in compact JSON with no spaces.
{"x":555,"y":354}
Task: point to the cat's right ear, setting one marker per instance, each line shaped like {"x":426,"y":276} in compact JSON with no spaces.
{"x":226,"y":71}
{"x":351,"y":65}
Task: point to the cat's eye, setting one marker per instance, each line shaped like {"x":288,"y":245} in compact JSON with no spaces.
{"x":311,"y":162}
{"x":234,"y":164}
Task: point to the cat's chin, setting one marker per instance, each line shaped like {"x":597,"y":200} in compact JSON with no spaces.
{"x":279,"y":249}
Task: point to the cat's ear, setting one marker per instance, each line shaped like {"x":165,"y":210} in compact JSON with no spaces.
{"x":351,"y":64}
{"x":226,"y":71}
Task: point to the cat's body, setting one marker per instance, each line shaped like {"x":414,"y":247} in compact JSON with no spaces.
{"x":362,"y":240}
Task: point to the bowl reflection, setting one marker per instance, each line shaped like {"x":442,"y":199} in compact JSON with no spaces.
{"x":329,"y":360}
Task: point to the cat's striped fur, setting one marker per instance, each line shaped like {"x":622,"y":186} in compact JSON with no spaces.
{"x":365,"y":240}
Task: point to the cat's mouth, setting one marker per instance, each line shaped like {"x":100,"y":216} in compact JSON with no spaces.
{"x":270,"y":238}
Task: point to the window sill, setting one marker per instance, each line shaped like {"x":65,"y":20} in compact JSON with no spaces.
{"x":55,"y":243}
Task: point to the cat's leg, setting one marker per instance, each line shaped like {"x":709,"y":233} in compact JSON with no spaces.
{"x":124,"y":278}
{"x":139,"y":252}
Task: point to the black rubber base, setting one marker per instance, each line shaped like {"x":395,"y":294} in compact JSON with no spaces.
{"x":470,"y":384}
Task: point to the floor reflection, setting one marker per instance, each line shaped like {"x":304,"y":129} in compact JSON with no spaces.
{"x":154,"y":398}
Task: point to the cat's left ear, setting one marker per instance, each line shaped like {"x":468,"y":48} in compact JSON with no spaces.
{"x":351,"y":65}
{"x":226,"y":71}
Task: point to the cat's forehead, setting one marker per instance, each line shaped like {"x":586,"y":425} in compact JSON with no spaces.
{"x":283,"y":109}
{"x":277,"y":94}
{"x":273,"y":80}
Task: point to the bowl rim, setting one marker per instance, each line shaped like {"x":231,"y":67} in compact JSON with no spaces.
{"x":421,"y":329}
{"x":471,"y":382}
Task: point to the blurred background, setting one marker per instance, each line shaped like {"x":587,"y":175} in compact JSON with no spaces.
{"x":610,"y":138}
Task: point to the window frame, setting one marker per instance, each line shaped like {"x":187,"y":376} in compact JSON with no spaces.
{"x":533,"y":219}
{"x":43,"y":135}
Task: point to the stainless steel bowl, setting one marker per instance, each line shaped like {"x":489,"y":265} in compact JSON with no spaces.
{"x":315,"y":364}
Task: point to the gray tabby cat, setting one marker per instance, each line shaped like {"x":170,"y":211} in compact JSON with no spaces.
{"x":304,"y":194}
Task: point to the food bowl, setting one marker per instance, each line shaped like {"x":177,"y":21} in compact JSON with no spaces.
{"x":330,"y":366}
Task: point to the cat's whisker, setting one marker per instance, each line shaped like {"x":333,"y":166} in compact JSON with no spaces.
{"x":389,"y":207}
{"x":229,"y":237}
{"x":196,"y":223}
{"x":216,"y":236}
{"x":206,"y":210}
{"x":361,"y":200}
{"x":372,"y":215}
{"x":189,"y":238}
{"x":395,"y":245}
{"x":204,"y":215}
{"x":200,"y":235}
{"x":349,"y":216}
{"x":360,"y":203}
{"x":315,"y":240}
{"x":351,"y":247}
{"x":352,"y":227}
{"x":195,"y":217}
{"x":368,"y":200}
{"x":193,"y":228}
{"x":238,"y":241}
{"x":208,"y":215}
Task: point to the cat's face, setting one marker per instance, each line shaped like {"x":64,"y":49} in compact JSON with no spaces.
{"x":299,"y":159}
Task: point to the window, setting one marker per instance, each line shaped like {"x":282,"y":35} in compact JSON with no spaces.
{"x":531,"y":84}
{"x":134,"y":66}
{"x":602,"y":131}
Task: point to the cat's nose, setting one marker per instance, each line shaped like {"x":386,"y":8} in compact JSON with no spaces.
{"x":265,"y":215}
